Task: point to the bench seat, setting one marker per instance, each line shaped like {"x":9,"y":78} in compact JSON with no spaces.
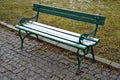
{"x":57,"y":34}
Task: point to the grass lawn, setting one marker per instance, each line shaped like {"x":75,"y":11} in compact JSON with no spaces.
{"x":109,"y":34}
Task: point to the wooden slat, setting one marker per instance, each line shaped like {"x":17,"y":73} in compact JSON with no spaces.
{"x":52,"y":33}
{"x":55,"y":29}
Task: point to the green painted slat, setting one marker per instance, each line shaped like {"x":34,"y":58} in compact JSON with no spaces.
{"x":76,"y":15}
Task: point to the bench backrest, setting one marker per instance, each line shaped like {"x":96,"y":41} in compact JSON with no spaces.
{"x":71,"y":14}
{"x":76,"y":15}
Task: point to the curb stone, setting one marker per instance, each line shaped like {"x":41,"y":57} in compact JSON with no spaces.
{"x":105,"y":61}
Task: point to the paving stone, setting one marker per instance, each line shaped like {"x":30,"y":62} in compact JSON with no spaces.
{"x":12,"y":77}
{"x":113,"y":77}
{"x":93,"y":78}
{"x":98,"y":70}
{"x":31,"y":73}
{"x":105,"y":73}
{"x":4,"y":64}
{"x":8,"y":74}
{"x":19,"y":69}
{"x":1,"y":76}
{"x":23,"y":63}
{"x":30,"y":78}
{"x":16,"y":65}
{"x":85,"y":70}
{"x":98,"y":76}
{"x":69,"y":78}
{"x":9,"y":67}
{"x":62,"y":76}
{"x":65,"y":62}
{"x":48,"y":70}
{"x":39,"y":77}
{"x":28,"y":65}
{"x":4,"y":78}
{"x":55,"y":78}
{"x":118,"y":77}
{"x":45,"y":74}
{"x":104,"y":78}
{"x":42,"y":78}
{"x":2,"y":70}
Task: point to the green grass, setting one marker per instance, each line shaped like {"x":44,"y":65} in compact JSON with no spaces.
{"x":109,"y":34}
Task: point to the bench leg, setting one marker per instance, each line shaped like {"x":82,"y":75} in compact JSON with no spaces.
{"x":37,"y":37}
{"x":22,"y":38}
{"x":93,"y":56}
{"x":80,"y":58}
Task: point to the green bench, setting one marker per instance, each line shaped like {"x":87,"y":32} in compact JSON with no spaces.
{"x":83,"y":42}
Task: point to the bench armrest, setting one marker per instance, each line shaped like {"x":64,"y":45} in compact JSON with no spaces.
{"x":85,"y":39}
{"x":25,"y":19}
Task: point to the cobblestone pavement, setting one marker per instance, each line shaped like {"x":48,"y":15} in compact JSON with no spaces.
{"x":34,"y":63}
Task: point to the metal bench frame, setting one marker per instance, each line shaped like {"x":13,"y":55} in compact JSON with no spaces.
{"x":71,"y":14}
